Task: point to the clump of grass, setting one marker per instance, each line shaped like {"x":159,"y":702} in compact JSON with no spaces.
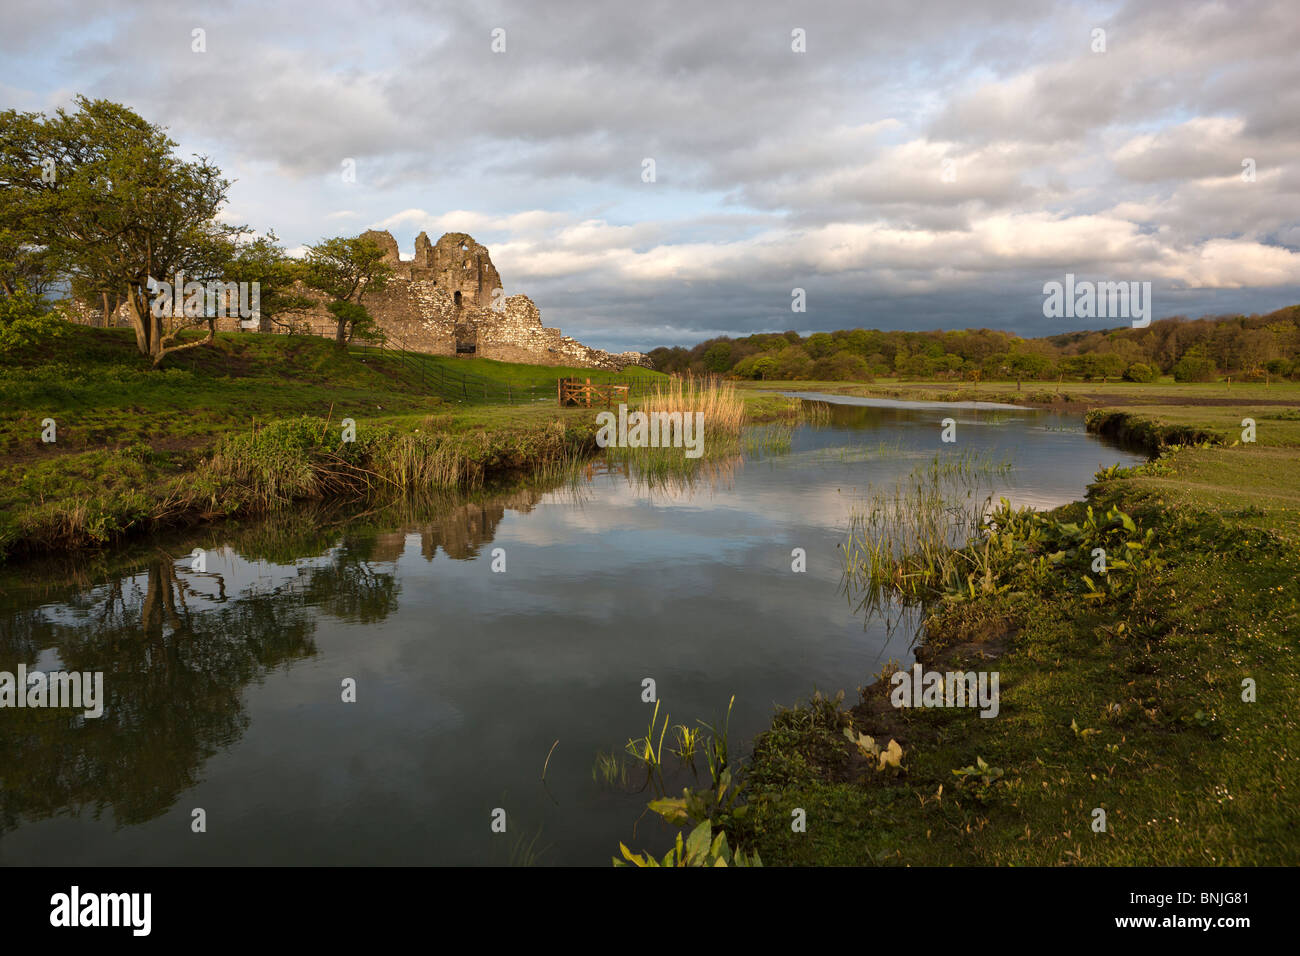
{"x":687,"y":742}
{"x":610,"y":769}
{"x":902,"y":540}
{"x":815,"y":413}
{"x":719,"y":434}
{"x":723,"y":409}
{"x":647,"y":749}
{"x":293,"y":459}
{"x":768,"y":440}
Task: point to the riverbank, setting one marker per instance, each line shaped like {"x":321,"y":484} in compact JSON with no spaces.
{"x":1198,"y":397}
{"x":96,"y":447}
{"x":1161,"y":693}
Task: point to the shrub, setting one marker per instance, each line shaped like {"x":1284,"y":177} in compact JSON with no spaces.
{"x":841,"y":367}
{"x":25,"y":323}
{"x":792,"y":362}
{"x":1194,"y":367}
{"x":1140,"y":372}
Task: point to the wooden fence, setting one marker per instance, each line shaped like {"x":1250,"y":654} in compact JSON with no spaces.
{"x":572,"y":391}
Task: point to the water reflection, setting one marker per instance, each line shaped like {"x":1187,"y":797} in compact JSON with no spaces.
{"x":223,"y":685}
{"x":176,"y":663}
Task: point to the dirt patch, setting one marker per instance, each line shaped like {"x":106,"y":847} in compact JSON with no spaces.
{"x":880,"y":719}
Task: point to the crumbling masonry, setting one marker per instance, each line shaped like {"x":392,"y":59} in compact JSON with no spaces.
{"x":449,"y":300}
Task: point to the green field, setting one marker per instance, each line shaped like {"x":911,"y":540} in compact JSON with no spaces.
{"x":1091,"y":394}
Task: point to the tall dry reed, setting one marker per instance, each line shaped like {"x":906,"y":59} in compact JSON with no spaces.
{"x":724,"y":411}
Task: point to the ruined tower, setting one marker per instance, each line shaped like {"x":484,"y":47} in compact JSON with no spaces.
{"x":458,"y":264}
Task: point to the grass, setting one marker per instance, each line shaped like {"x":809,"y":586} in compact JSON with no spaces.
{"x":903,"y":541}
{"x":478,"y":381}
{"x":205,"y":437}
{"x":716,"y":400}
{"x":1123,"y":693}
{"x":1165,"y":391}
{"x":716,"y":416}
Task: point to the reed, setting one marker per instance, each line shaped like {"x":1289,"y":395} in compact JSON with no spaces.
{"x":303,"y":458}
{"x":724,"y":410}
{"x":646,"y":749}
{"x":688,"y":739}
{"x":610,"y":769}
{"x":761,"y":440}
{"x":909,"y":541}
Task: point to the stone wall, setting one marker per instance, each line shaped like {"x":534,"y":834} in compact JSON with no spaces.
{"x":449,"y":300}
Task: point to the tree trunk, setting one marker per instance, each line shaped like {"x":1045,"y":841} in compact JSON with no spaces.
{"x":141,"y":321}
{"x":163,"y":348}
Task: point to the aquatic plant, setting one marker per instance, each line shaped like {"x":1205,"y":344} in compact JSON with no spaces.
{"x":646,"y":749}
{"x":701,"y":848}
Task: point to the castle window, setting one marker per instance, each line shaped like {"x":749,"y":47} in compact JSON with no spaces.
{"x":464,"y":247}
{"x":458,"y":300}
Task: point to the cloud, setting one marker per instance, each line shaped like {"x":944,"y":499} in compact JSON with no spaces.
{"x":922,"y":164}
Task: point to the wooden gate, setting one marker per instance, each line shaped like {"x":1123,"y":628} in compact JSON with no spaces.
{"x":572,"y":391}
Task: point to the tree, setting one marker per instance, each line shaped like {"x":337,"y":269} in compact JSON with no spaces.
{"x":23,"y":266}
{"x":762,"y":366}
{"x":264,"y":261}
{"x":843,"y":366}
{"x":792,"y":362}
{"x":820,"y":345}
{"x":1195,"y":366}
{"x":717,"y":357}
{"x":1140,"y":372}
{"x":102,"y":192}
{"x":345,"y":270}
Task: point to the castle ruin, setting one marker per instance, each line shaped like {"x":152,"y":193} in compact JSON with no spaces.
{"x":448,"y":300}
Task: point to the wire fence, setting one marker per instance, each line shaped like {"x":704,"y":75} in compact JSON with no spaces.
{"x":467,"y":387}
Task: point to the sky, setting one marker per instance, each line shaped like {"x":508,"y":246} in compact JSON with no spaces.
{"x":908,"y":165}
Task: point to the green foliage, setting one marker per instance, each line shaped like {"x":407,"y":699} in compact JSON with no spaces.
{"x":649,"y":749}
{"x":119,"y":208}
{"x":346,"y":269}
{"x":701,"y":848}
{"x":1247,"y":347}
{"x":1140,"y":372}
{"x":1195,"y":366}
{"x":25,"y":323}
{"x":979,"y":779}
{"x":718,"y":803}
{"x":265,"y":262}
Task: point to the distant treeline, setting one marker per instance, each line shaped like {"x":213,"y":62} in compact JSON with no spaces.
{"x":1200,"y":350}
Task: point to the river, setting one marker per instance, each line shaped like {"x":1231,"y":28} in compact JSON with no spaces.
{"x":224,"y":685}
